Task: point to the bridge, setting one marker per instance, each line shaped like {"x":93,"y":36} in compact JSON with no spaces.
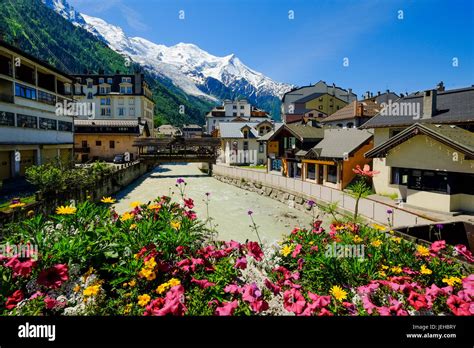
{"x":178,"y":149}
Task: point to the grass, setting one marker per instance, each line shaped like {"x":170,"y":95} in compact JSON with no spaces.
{"x":4,"y":204}
{"x":392,"y":196}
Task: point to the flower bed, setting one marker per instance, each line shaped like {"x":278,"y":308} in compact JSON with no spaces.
{"x":159,"y":259}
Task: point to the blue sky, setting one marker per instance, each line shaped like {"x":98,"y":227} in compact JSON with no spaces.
{"x":384,"y":52}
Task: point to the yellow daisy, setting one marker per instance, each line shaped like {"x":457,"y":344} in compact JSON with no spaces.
{"x":425,"y":270}
{"x":143,"y":300}
{"x":108,"y":200}
{"x":286,"y":250}
{"x":66,"y":210}
{"x":338,"y":293}
{"x":175,"y":224}
{"x":376,"y":243}
{"x":135,"y":204}
{"x":91,"y":290}
{"x":422,"y":250}
{"x":126,"y":216}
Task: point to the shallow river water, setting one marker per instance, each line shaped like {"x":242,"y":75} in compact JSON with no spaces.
{"x":229,"y":205}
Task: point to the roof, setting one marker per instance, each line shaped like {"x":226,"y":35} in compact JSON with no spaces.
{"x":458,"y":138}
{"x":309,"y":97}
{"x":106,"y":123}
{"x":267,"y":136}
{"x":234,"y":129}
{"x":366,"y":108}
{"x":337,"y":142}
{"x":453,"y":106}
{"x":300,"y":131}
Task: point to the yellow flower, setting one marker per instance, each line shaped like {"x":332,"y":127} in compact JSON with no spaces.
{"x":451,"y":281}
{"x":150,"y":264}
{"x":357,"y":239}
{"x":143,"y":300}
{"x":384,"y":267}
{"x":76,"y":288}
{"x":133,"y":226}
{"x":397,"y":240}
{"x":382,"y":274}
{"x":155,"y":206}
{"x":135,"y":204}
{"x":147,"y":273}
{"x":125,"y":284}
{"x":391,"y":232}
{"x":396,"y":269}
{"x":423,"y":251}
{"x":176,"y":224}
{"x":30,"y":213}
{"x":379,"y":227}
{"x":16,"y":205}
{"x":132,"y":283}
{"x":128,"y":308}
{"x":286,"y":250}
{"x":376,"y":243}
{"x":91,"y":290}
{"x":108,"y":200}
{"x":338,"y":293}
{"x":65,"y":210}
{"x":173,"y":282}
{"x":126,"y":216}
{"x":425,"y":270}
{"x":162,"y":288}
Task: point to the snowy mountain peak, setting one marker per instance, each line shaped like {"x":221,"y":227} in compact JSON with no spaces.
{"x":188,"y":66}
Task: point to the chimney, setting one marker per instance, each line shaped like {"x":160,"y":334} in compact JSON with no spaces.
{"x":378,"y":93}
{"x":387,"y":91}
{"x":401,"y":95}
{"x":429,"y":103}
{"x":440,"y":87}
{"x":361,"y":109}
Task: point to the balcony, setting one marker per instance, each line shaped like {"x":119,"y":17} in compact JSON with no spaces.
{"x":6,"y":66}
{"x":82,"y":149}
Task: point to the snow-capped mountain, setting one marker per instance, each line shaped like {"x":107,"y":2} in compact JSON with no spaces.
{"x":190,"y":68}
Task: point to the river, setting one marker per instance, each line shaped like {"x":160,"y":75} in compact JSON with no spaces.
{"x":228,"y":206}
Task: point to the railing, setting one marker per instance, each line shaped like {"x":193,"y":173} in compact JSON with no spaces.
{"x":368,"y":208}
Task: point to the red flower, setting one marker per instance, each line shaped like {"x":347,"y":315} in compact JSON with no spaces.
{"x":438,"y":245}
{"x":255,"y":250}
{"x":366,"y":171}
{"x":272,"y":287}
{"x":189,"y":203}
{"x":53,"y":277}
{"x":293,"y":301}
{"x":191,"y":215}
{"x":462,"y":249}
{"x":202,"y":283}
{"x":180,"y":250}
{"x":14,"y":299}
{"x":417,"y":301}
{"x":252,"y":295}
{"x":172,"y":304}
{"x":20,"y":268}
{"x":458,"y":306}
{"x":241,"y":263}
{"x":227,"y":308}
{"x":297,"y":251}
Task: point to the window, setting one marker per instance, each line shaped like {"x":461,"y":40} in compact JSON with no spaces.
{"x":289,"y":143}
{"x":25,"y":92}
{"x":131,"y":112}
{"x":121,"y":111}
{"x":246,"y":145}
{"x":126,"y":79}
{"x":241,"y":107}
{"x":101,"y":80}
{"x":234,"y":114}
{"x":46,"y":98}
{"x":89,"y":83}
{"x":350,"y":125}
{"x":399,"y":176}
{"x":261,"y":147}
{"x":98,"y":143}
{"x":120,"y":101}
{"x":104,"y":101}
{"x":234,"y":107}
{"x":129,"y":90}
{"x":112,"y":144}
{"x":78,"y":89}
{"x":89,"y":95}
{"x":26,"y":121}
{"x":109,"y":80}
{"x":246,"y":134}
{"x":105,"y":111}
{"x":47,"y":123}
{"x":332,"y":174}
{"x":320,"y":107}
{"x":426,"y":180}
{"x":84,"y":143}
{"x":65,"y":126}
{"x":7,"y":119}
{"x":131,"y":101}
{"x":311,"y":174}
{"x":241,"y":114}
{"x":67,"y":88}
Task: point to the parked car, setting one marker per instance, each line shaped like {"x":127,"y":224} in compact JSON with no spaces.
{"x":118,"y":159}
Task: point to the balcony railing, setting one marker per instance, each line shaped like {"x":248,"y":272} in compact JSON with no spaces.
{"x":6,"y":98}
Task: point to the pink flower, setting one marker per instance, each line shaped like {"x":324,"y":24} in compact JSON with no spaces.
{"x":232,"y":289}
{"x":366,"y":171}
{"x":297,"y":251}
{"x":20,"y":268}
{"x":252,"y":295}
{"x":189,"y":203}
{"x":184,"y":265}
{"x":462,"y":249}
{"x":438,"y":245}
{"x":191,"y":215}
{"x":417,"y":301}
{"x":202,"y":283}
{"x":53,"y":277}
{"x":233,"y":245}
{"x":227,"y":308}
{"x":293,"y":301}
{"x":172,"y":304}
{"x":325,"y":313}
{"x":254,"y":250}
{"x":14,"y":299}
{"x":272,"y":287}
{"x":195,"y":263}
{"x":180,"y":250}
{"x":319,"y":301}
{"x":458,"y":306}
{"x":51,"y":303}
{"x":241,"y":263}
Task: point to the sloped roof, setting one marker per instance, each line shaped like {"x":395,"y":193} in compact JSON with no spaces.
{"x":450,"y":135}
{"x":105,"y":123}
{"x":309,"y":97}
{"x":336,"y":142}
{"x":302,"y":132}
{"x":353,"y":110}
{"x":267,"y":136}
{"x":234,"y":129}
{"x":453,"y":106}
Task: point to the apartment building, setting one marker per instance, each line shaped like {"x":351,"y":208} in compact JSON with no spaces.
{"x":234,"y":110}
{"x":33,"y":130}
{"x":115,"y":100}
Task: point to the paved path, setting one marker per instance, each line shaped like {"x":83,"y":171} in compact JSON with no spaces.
{"x":228,"y":204}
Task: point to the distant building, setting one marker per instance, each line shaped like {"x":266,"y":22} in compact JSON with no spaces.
{"x":380,"y":98}
{"x":168,"y":130}
{"x":424,"y":149}
{"x":353,"y":115}
{"x":288,"y":101}
{"x":122,"y":104}
{"x":32,"y":132}
{"x":240,"y":142}
{"x":238,"y":110}
{"x":103,"y":139}
{"x":192,"y":131}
